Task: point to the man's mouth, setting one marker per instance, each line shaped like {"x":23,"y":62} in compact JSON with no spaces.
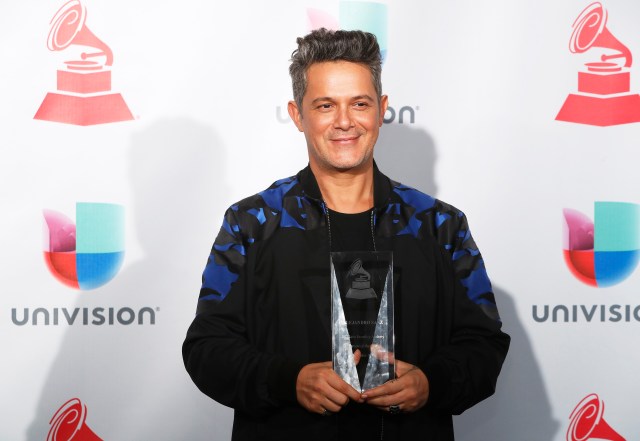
{"x":345,"y":138}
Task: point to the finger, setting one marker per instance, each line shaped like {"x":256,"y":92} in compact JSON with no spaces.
{"x":326,"y":382}
{"x":337,"y":394}
{"x":336,"y":397}
{"x":339,"y":400}
{"x":338,"y":383}
{"x":329,"y":405}
{"x":385,"y":396}
{"x":356,"y":356}
{"x":387,"y":400}
{"x":402,"y":368}
{"x":391,"y":357}
{"x":406,"y":402}
{"x":412,"y":394}
{"x":344,"y":388}
{"x":312,"y":386}
{"x":333,"y":381}
{"x":380,"y":353}
{"x":390,"y":387}
{"x":318,"y":400}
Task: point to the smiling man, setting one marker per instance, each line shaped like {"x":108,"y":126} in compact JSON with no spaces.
{"x":261,"y":342}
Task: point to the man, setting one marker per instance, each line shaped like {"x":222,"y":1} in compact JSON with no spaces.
{"x":261,"y":340}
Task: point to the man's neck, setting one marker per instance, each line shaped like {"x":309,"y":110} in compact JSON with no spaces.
{"x":348,"y":191}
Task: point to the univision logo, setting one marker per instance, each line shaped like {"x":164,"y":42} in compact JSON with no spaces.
{"x":88,"y":254}
{"x":605,"y":251}
{"x":354,"y":15}
{"x":85,"y":255}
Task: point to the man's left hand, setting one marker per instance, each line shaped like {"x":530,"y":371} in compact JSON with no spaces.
{"x":409,"y":391}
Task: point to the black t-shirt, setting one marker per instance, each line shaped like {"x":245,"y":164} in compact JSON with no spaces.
{"x":351,"y":232}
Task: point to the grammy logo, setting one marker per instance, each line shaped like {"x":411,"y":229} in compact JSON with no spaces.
{"x":84,"y":94}
{"x":69,"y":423}
{"x":603,"y":97}
{"x":587,"y":422}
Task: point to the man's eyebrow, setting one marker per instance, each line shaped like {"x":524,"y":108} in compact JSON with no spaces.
{"x":355,"y":98}
{"x":362,"y":97}
{"x":321,"y":98}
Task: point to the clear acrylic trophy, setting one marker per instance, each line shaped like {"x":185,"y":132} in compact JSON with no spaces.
{"x":362,"y":317}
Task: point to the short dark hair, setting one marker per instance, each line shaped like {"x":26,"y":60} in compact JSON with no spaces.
{"x":325,"y":45}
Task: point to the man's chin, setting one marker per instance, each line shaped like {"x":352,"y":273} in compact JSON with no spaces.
{"x":351,"y":166}
{"x":343,"y":164}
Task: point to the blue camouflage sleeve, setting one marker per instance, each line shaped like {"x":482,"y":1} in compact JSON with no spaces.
{"x":455,"y":236}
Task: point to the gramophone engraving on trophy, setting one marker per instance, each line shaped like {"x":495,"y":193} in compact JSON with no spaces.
{"x":603,"y":97}
{"x":83,"y":95}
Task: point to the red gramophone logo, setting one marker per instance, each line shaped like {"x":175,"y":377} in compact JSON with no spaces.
{"x":84,"y":94}
{"x":587,"y":422}
{"x":68,"y":423}
{"x":603,"y":97}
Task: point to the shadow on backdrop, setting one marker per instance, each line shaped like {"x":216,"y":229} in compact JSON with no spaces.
{"x":131,"y":378}
{"x":520,"y":409}
{"x":407,"y":154}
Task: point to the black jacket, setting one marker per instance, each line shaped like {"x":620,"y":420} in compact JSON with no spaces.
{"x":264,"y":312}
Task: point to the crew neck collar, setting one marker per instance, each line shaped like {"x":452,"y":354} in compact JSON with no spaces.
{"x":381,"y":186}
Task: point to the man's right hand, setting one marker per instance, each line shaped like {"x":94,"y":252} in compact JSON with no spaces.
{"x":320,"y":390}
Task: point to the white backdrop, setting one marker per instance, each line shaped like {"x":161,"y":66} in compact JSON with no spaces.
{"x":207,"y":85}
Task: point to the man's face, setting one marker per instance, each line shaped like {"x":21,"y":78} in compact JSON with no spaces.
{"x":340,"y":115}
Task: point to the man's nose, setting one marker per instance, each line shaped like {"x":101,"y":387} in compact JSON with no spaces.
{"x":344,"y":118}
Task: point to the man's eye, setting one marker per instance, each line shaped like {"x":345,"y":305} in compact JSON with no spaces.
{"x":324,"y":106}
{"x":361,"y":104}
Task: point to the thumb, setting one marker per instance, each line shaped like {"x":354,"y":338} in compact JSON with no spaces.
{"x":356,"y":356}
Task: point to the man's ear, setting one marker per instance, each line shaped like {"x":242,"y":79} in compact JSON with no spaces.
{"x":384,"y":103}
{"x":295,"y":114}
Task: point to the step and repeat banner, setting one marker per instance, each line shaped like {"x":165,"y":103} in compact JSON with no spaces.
{"x":129,"y":126}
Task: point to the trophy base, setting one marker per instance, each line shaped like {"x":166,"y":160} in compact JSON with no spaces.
{"x":83,"y":110}
{"x":595,"y":111}
{"x":361,"y":294}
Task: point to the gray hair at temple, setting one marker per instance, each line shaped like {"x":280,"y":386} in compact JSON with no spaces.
{"x":323,"y":45}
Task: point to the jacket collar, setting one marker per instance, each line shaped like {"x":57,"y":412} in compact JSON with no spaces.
{"x":381,"y":186}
